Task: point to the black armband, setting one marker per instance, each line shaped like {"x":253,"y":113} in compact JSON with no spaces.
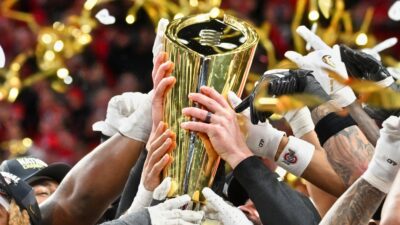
{"x":332,"y":124}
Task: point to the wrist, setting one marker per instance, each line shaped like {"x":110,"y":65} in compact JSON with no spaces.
{"x":233,"y":159}
{"x":344,"y":96}
{"x":281,"y":147}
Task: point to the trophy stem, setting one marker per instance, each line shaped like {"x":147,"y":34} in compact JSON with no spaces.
{"x":202,"y":81}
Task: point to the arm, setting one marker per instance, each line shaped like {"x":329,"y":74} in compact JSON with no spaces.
{"x":82,"y":189}
{"x":360,"y":201}
{"x":348,"y":151}
{"x":99,"y":177}
{"x":356,"y":205}
{"x":365,"y":123}
{"x":285,"y":206}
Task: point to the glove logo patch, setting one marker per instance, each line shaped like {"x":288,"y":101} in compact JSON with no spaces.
{"x":327,"y":59}
{"x":290,"y":157}
{"x":261,"y":143}
{"x":393,"y":163}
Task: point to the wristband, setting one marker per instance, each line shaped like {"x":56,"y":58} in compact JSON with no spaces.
{"x":296,"y":156}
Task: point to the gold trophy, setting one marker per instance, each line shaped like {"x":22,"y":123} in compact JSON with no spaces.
{"x":216,"y":52}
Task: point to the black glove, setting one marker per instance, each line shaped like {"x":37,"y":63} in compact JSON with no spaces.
{"x":281,"y":83}
{"x":362,"y":65}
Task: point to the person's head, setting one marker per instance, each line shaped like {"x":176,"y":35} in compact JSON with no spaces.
{"x":13,"y":188}
{"x":43,"y":178}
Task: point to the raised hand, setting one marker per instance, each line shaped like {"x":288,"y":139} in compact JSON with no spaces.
{"x":262,"y":139}
{"x":282,"y":82}
{"x":327,"y":66}
{"x":219,"y":122}
{"x":364,"y":66}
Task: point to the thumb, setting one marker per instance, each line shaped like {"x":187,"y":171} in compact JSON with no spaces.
{"x":234,"y":100}
{"x":161,"y":191}
{"x":212,"y":199}
{"x":296,"y":58}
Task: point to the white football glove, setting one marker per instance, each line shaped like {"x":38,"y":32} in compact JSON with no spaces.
{"x":168,"y":213}
{"x":385,"y":163}
{"x":217,"y":208}
{"x":322,"y":61}
{"x":119,"y":108}
{"x":158,"y":45}
{"x":262,"y":139}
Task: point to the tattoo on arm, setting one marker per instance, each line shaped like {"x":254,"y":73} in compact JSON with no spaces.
{"x":355,"y":206}
{"x":349,"y":153}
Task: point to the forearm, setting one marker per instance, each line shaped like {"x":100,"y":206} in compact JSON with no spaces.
{"x":364,"y":122}
{"x":285,"y":206}
{"x":93,"y":183}
{"x":355,"y":206}
{"x":346,"y":148}
{"x":319,"y":172}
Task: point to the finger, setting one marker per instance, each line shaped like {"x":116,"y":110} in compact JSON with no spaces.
{"x":295,"y":57}
{"x":159,"y":166}
{"x":197,"y":126}
{"x":311,"y":38}
{"x":162,"y":89}
{"x":176,"y":203}
{"x":160,"y":58}
{"x":388,"y":43}
{"x":160,"y":140}
{"x":214,"y":94}
{"x":199,"y":114}
{"x":161,"y":191}
{"x":153,"y":140}
{"x":164,"y":70}
{"x":212,"y":199}
{"x":160,"y":152}
{"x":209,"y":103}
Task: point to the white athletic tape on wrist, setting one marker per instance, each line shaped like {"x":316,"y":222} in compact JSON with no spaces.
{"x":142,"y":199}
{"x":386,"y":82}
{"x":296,"y":156}
{"x":344,"y":96}
{"x":377,"y":181}
{"x":300,"y":121}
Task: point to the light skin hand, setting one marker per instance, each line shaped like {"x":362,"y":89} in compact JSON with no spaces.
{"x":157,"y":157}
{"x":161,"y":90}
{"x":223,"y":130}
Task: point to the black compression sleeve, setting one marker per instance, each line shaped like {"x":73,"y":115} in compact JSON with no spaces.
{"x":131,"y":185}
{"x":275,"y":201}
